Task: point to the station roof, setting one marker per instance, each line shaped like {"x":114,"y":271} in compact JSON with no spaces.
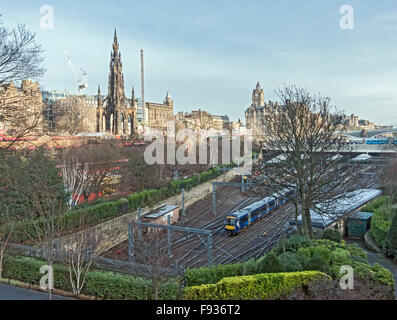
{"x":160,"y":211}
{"x":328,"y":214}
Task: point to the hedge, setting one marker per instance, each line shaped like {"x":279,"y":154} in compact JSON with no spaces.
{"x":111,"y":209}
{"x":254,"y":287}
{"x":319,"y":255}
{"x":101,"y":284}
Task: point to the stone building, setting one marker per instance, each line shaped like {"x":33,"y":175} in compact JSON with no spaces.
{"x":255,"y":114}
{"x":200,"y":119}
{"x":66,"y":113}
{"x":116,"y":113}
{"x":160,"y":114}
{"x":21,"y":109}
{"x":74,"y":114}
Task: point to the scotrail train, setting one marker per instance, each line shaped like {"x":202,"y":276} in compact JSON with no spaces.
{"x":373,"y":141}
{"x":243,"y":218}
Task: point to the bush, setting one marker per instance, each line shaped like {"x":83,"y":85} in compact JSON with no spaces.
{"x":391,"y":243}
{"x":333,"y":235}
{"x":292,"y":262}
{"x":293,"y":243}
{"x":317,"y":262}
{"x":380,"y":226}
{"x":270,"y":263}
{"x":340,"y":257}
{"x":255,"y":287}
{"x":213,"y":274}
{"x":102,"y":284}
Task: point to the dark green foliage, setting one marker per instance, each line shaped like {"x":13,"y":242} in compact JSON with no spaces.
{"x":317,"y":262}
{"x":391,"y":244}
{"x":293,"y":243}
{"x":270,"y":264}
{"x":292,"y":262}
{"x":333,"y":235}
{"x":22,"y":177}
{"x":107,"y":285}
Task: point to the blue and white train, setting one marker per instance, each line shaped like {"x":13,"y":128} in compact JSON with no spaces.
{"x":245,"y":217}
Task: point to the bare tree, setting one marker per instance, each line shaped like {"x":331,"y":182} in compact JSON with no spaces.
{"x":20,"y":55}
{"x":81,"y":254}
{"x":20,"y":58}
{"x":92,"y":169}
{"x":153,"y":255}
{"x":75,"y":178}
{"x":307,"y":134}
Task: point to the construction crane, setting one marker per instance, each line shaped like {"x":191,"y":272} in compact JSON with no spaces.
{"x":82,"y":83}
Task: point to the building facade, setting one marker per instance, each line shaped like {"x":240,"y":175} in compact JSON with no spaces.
{"x":159,"y":114}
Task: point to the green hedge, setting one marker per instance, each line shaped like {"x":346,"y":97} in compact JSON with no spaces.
{"x":107,"y":285}
{"x":254,"y":287}
{"x":294,"y":254}
{"x":108,"y":210}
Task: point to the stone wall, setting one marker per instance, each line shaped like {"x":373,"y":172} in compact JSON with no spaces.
{"x":115,"y":231}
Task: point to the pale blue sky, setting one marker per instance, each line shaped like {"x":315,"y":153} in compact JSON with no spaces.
{"x":211,"y":53}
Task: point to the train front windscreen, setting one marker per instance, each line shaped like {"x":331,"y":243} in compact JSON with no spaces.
{"x":230,"y":223}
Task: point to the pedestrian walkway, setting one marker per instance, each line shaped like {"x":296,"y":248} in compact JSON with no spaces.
{"x":15,"y":293}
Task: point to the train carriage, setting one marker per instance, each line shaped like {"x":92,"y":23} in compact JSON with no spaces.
{"x":243,"y":218}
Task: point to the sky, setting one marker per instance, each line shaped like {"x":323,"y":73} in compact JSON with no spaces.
{"x":209,"y":54}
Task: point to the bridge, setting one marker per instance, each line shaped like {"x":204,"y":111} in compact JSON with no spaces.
{"x":371,"y":149}
{"x":373,"y":133}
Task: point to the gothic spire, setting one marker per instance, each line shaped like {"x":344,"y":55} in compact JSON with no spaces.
{"x":115,"y":36}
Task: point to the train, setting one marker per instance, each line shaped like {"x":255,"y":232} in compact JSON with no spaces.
{"x":380,"y":141}
{"x":247,"y":216}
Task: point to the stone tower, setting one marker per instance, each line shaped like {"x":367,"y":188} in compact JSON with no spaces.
{"x":116,"y":78}
{"x":116,"y":114}
{"x":258,"y":96}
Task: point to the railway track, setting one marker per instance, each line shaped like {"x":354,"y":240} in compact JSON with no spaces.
{"x":228,"y":249}
{"x":217,"y":226}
